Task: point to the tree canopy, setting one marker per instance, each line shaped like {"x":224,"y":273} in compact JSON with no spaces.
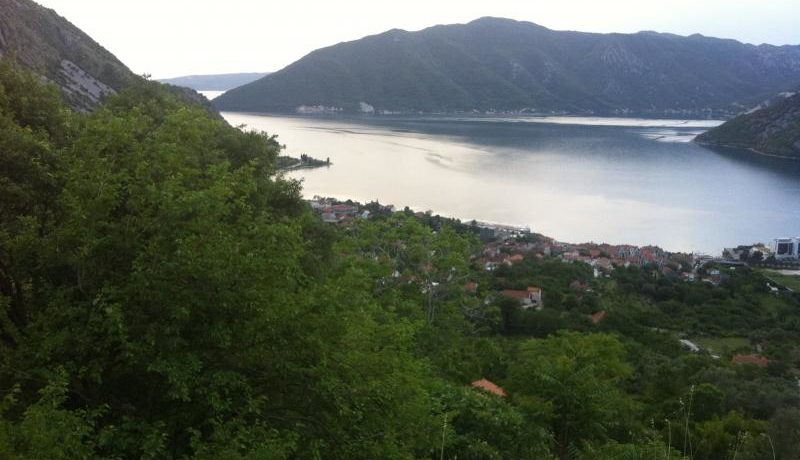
{"x":166,"y":293}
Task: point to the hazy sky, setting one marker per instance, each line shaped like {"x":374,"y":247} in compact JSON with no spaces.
{"x":168,"y":38}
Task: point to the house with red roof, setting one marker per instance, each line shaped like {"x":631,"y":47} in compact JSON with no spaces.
{"x":757,"y":360}
{"x":489,"y":387}
{"x":531,"y":297}
{"x":514,"y":259}
{"x":598,"y":316}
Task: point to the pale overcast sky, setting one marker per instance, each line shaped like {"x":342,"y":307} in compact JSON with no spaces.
{"x":169,"y":38}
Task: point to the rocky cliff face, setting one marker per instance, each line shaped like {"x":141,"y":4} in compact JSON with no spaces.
{"x":51,"y":46}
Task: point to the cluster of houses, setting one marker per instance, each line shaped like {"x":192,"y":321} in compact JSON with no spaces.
{"x":508,"y":249}
{"x":779,"y":250}
{"x":509,"y":245}
{"x":602,"y":257}
{"x":344,"y":212}
{"x":333,"y":211}
{"x":605,"y":256}
{"x":492,"y":232}
{"x":747,"y":253}
{"x":755,"y":359}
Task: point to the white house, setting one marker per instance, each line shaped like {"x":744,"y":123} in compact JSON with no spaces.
{"x":786,"y":248}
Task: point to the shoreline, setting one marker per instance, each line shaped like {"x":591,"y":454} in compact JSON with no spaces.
{"x":510,"y":228}
{"x":750,"y":149}
{"x":551,"y":118}
{"x":301,"y":166}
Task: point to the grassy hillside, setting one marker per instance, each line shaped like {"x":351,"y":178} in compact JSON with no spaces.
{"x":773,"y":130}
{"x":501,"y":64}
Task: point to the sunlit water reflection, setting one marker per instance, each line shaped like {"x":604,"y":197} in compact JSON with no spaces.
{"x":603,"y":180}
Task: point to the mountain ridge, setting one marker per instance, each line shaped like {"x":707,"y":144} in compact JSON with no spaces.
{"x":214,"y":82}
{"x":505,"y":65}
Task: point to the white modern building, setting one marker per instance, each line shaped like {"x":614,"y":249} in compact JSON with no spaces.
{"x":786,"y":248}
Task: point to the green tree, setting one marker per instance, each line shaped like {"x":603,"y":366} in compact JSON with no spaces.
{"x":166,"y":290}
{"x":572,"y":381}
{"x":483,"y":426}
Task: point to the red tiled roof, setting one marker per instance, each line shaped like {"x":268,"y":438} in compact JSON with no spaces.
{"x":597,"y":317}
{"x":534,"y":289}
{"x":471,"y":286}
{"x":486,"y":385}
{"x":758,"y":360}
{"x":514,"y":294}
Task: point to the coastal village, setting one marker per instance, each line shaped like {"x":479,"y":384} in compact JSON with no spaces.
{"x":504,"y":245}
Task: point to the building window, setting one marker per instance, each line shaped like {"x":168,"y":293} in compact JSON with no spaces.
{"x":785,"y":249}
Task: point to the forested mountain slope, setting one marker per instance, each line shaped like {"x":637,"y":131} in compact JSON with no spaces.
{"x":772,"y":130}
{"x":501,"y":64}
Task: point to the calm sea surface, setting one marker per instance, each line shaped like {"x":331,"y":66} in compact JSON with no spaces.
{"x":588,"y":179}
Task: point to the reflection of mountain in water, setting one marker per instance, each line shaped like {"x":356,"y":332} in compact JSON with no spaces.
{"x":780,"y":166}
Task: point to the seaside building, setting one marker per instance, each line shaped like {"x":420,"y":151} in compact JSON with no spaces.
{"x":786,"y":248}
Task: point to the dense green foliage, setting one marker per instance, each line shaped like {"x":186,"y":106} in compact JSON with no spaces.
{"x":501,"y":64}
{"x":774,"y":130}
{"x":164,"y":294}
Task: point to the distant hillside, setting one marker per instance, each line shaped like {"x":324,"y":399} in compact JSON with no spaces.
{"x":772,"y":130}
{"x":51,"y":46}
{"x":218,"y":82}
{"x":501,"y":64}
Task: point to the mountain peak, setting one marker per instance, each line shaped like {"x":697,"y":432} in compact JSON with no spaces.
{"x":493,"y":20}
{"x":500,"y":22}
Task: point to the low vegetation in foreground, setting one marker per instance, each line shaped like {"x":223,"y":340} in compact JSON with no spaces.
{"x":164,"y":294}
